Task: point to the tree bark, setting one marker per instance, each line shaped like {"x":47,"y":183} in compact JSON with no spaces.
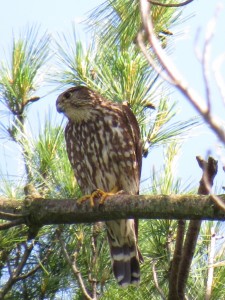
{"x":39,"y":211}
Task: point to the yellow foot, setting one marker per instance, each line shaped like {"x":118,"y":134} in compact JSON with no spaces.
{"x":103,"y":195}
{"x":85,"y":198}
{"x":96,"y":195}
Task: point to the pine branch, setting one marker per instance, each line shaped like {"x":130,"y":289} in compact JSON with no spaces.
{"x":41,"y":212}
{"x":209,"y":169}
{"x":170,"y":4}
{"x":174,"y":272}
{"x":170,"y":72}
{"x":15,"y":274}
{"x":156,"y":281}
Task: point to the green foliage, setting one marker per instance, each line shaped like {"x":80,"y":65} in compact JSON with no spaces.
{"x":122,"y":74}
{"x":46,"y":156}
{"x":18,"y":77}
{"x":198,"y":279}
{"x":117,"y":22}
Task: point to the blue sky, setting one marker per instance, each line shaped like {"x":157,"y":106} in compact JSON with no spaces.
{"x":57,"y":16}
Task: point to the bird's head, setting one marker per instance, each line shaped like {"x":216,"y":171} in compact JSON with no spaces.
{"x":76,"y":103}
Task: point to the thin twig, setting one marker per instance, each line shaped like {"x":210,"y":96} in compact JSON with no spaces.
{"x":35,"y":269}
{"x":155,"y":278}
{"x":210,"y":32}
{"x":170,"y":4}
{"x":209,"y":169}
{"x":197,"y":51}
{"x":14,"y":275}
{"x":218,"y":76}
{"x":218,"y":201}
{"x":24,"y":259}
{"x":11,"y":224}
{"x":95,"y":228}
{"x":207,"y":187}
{"x":173,"y":279}
{"x":187,"y":256}
{"x":74,"y":267}
{"x":9,"y":216}
{"x":151,"y":61}
{"x":206,"y":72}
{"x":9,"y":270}
{"x":209,"y":283}
{"x":181,"y":84}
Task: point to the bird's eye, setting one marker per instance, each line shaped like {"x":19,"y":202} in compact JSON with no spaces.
{"x":67,"y":95}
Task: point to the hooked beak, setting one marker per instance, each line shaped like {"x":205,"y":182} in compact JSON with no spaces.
{"x":59,"y":107}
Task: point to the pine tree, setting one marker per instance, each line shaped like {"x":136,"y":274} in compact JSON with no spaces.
{"x":72,"y":261}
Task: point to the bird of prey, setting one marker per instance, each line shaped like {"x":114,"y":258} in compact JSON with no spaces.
{"x":104,"y":148}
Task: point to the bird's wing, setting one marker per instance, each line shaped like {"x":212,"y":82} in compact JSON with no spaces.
{"x":134,"y":129}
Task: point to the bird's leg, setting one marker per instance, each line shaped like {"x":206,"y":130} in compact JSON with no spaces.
{"x":89,"y":197}
{"x":104,"y":195}
{"x":96,"y":195}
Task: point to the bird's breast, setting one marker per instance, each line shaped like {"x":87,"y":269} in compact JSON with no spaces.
{"x":101,"y":154}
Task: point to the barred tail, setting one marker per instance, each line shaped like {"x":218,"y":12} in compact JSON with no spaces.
{"x":124,"y":252}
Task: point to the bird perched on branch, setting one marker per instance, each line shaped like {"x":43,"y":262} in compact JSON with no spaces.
{"x":104,"y":148}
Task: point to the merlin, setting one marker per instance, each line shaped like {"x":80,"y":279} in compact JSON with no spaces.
{"x":104,"y":148}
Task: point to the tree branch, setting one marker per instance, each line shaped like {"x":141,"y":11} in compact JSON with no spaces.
{"x":170,"y":4}
{"x":11,"y":224}
{"x":156,"y":281}
{"x":92,"y":275}
{"x":41,"y":212}
{"x":209,"y":284}
{"x":74,"y":267}
{"x":209,"y":169}
{"x":14,"y":275}
{"x":9,"y":216}
{"x":173,"y":75}
{"x":174,"y":272}
{"x":218,"y":76}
